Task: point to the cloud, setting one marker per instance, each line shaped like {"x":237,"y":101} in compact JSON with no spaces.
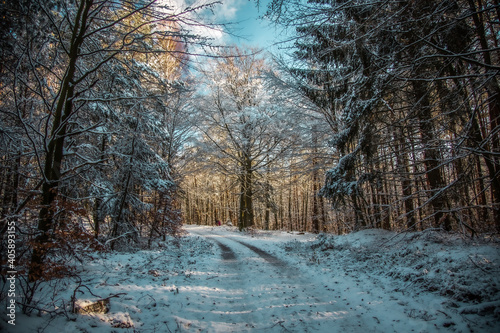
{"x":229,"y":9}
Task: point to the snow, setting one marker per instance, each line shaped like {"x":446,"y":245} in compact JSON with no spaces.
{"x":216,"y":279}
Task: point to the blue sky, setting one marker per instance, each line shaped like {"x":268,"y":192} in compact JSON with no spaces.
{"x":245,"y":15}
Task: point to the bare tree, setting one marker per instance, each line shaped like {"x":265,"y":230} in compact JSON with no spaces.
{"x":244,"y":122}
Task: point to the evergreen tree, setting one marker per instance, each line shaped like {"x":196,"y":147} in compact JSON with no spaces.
{"x":403,"y":72}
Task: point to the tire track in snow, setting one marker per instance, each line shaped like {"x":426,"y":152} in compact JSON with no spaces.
{"x":296,"y":292}
{"x":293,"y":303}
{"x":231,"y":300}
{"x":226,"y":252}
{"x":264,"y":255}
{"x":251,"y":297}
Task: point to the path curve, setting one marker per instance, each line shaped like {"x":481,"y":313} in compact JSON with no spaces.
{"x":258,"y":291}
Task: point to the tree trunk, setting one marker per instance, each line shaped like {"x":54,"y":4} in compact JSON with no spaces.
{"x":493,"y":93}
{"x":54,"y":156}
{"x":246,"y":197}
{"x":316,"y":222}
{"x":404,"y":170}
{"x":432,"y":158}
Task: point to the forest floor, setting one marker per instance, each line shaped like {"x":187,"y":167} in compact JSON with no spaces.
{"x":216,"y":279}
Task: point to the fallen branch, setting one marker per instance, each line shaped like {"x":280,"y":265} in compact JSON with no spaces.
{"x":483,"y":308}
{"x":121,"y":236}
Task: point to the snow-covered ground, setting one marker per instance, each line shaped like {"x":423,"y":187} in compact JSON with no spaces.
{"x":220,"y":280}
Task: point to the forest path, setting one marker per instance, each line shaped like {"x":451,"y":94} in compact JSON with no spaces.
{"x":221,"y":280}
{"x":255,"y":290}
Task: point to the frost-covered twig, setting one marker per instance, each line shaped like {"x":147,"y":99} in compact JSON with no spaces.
{"x":479,"y":266}
{"x":113,"y":239}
